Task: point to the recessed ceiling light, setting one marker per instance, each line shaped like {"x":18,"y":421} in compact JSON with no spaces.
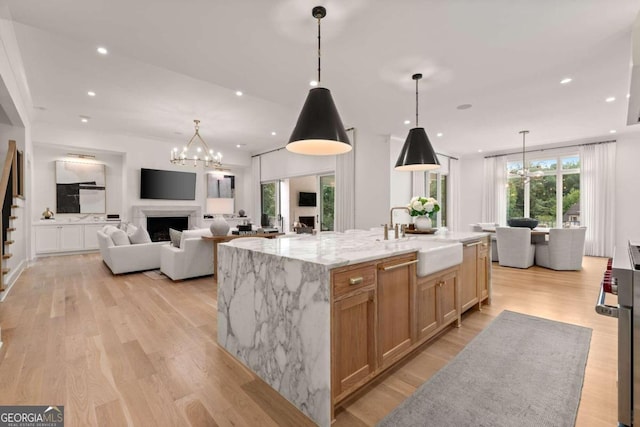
{"x":464,"y":106}
{"x":313,"y":83}
{"x":273,"y":134}
{"x":102,"y":50}
{"x":479,"y":150}
{"x":406,"y":122}
{"x":240,"y":145}
{"x":610,"y":99}
{"x":612,"y":131}
{"x":91,"y":93}
{"x":439,"y":134}
{"x":566,"y":80}
{"x":628,"y":95}
{"x":239,"y":93}
{"x":84,"y":120}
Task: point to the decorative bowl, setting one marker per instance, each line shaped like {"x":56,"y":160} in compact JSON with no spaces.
{"x":523,"y":222}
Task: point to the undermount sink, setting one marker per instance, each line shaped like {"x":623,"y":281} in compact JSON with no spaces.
{"x":435,"y":256}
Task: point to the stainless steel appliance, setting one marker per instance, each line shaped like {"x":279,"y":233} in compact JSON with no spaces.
{"x":621,"y":277}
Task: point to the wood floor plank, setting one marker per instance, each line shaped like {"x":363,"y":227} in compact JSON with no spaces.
{"x":130,"y":350}
{"x":196,"y":413}
{"x":111,"y":414}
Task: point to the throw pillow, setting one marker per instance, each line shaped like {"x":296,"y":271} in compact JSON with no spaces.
{"x":107,"y":229}
{"x":131,"y":229}
{"x":175,"y":237}
{"x":120,"y":238}
{"x":140,"y":235}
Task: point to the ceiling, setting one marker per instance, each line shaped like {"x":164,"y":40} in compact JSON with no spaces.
{"x":170,"y":62}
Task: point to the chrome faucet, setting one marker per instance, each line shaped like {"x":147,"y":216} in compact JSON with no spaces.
{"x":396,"y":208}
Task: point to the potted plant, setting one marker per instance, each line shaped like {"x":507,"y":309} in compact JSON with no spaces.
{"x":424,"y":210}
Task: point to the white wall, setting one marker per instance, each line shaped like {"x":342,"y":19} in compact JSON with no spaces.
{"x":471,"y":177}
{"x":627,"y":225}
{"x":372,"y":192}
{"x":308,"y":184}
{"x":140,"y":153}
{"x":16,"y":102}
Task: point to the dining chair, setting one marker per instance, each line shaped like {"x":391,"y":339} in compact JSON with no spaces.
{"x":514,"y":247}
{"x":563,"y":250}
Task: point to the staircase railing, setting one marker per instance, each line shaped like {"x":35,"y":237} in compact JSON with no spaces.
{"x":8,"y":179}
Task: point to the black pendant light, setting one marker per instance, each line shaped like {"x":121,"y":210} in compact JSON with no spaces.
{"x":319,"y":130}
{"x":417,"y":153}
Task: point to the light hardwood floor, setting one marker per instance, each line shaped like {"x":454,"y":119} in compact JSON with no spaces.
{"x":134,"y":350}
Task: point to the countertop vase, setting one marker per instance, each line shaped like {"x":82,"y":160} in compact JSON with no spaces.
{"x":422,"y":223}
{"x":219,"y":226}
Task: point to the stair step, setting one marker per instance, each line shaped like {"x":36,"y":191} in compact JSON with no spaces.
{"x":11,"y":229}
{"x":7,"y":256}
{"x":5,"y":270}
{"x":9,"y":242}
{"x":13,"y":217}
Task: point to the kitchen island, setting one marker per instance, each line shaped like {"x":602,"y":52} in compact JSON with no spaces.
{"x":318,"y":317}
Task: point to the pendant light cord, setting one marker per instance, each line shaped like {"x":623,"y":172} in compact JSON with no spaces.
{"x":319,"y":18}
{"x":416,"y":102}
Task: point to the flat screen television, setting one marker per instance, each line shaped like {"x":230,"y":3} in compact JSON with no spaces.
{"x":167,"y":185}
{"x":306,"y":199}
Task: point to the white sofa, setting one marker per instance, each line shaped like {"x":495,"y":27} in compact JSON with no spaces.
{"x":129,"y":258}
{"x":194,"y":257}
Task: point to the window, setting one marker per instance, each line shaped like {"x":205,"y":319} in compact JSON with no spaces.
{"x":552,"y":193}
{"x":327,"y":202}
{"x":270,"y":196}
{"x":437,"y":188}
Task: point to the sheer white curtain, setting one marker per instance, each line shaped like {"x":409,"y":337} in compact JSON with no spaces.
{"x":418,"y":184}
{"x":453,"y":202}
{"x":345,"y":185}
{"x":494,"y":200}
{"x":597,"y":197}
{"x":256,"y":212}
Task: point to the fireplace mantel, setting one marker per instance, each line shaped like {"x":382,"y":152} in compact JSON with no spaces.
{"x":141,"y":212}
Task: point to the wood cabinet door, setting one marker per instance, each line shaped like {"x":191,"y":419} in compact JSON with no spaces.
{"x":447,"y":298}
{"x":354,"y":345}
{"x":468,"y":276}
{"x":483,"y":272}
{"x":426,"y":307}
{"x":395,"y":304}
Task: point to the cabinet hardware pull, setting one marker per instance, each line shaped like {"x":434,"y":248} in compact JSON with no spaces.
{"x":356,"y":280}
{"x":402,"y":264}
{"x":468,"y":245}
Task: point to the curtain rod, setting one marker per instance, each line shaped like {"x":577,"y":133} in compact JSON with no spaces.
{"x":552,"y":148}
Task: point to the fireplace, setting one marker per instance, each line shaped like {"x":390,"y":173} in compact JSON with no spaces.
{"x":309,"y":221}
{"x":158,"y":226}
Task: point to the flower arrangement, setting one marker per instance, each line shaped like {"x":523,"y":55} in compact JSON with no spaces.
{"x":424,"y":206}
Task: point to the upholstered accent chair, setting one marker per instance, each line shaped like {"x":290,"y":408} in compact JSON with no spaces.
{"x":514,"y":247}
{"x":563,"y":251}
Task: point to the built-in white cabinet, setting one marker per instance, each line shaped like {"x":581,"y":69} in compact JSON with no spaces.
{"x":91,"y":235}
{"x":63,"y":237}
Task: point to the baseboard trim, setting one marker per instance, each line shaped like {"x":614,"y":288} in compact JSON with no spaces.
{"x":11,"y":280}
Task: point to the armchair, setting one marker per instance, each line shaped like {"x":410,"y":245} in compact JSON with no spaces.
{"x":193,"y":258}
{"x":563,"y":251}
{"x":514,"y":247}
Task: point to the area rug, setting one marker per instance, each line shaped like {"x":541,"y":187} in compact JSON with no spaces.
{"x":520,"y":371}
{"x":154,"y":274}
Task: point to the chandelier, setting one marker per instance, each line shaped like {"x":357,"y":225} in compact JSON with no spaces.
{"x":524,"y":172}
{"x":196,"y":151}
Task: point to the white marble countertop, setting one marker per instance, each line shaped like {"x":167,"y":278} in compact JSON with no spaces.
{"x":337,"y":249}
